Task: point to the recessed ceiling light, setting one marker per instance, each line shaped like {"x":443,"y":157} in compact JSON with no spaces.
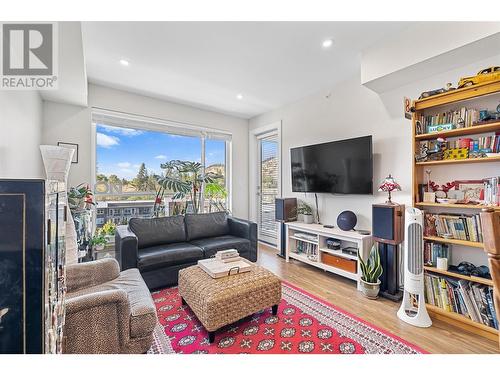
{"x":124,"y":62}
{"x":239,"y":96}
{"x":327,"y":43}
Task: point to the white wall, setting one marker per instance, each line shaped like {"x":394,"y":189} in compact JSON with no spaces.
{"x":353,"y":110}
{"x":408,"y":56}
{"x":20,"y":134}
{"x":72,"y":124}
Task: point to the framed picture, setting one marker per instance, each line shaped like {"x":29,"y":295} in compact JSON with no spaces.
{"x":471,"y":189}
{"x":72,"y":146}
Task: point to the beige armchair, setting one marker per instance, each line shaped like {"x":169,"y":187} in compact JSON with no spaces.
{"x":107,"y":311}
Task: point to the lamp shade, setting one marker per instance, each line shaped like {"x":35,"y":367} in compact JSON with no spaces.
{"x":389,"y":184}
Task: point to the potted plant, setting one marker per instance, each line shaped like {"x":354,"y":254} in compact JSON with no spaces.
{"x":186,"y":179}
{"x":98,"y":242}
{"x":306,"y":213}
{"x":371,"y":271}
{"x":108,"y":231}
{"x":80,"y":197}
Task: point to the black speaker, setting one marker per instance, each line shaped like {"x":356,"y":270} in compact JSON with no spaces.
{"x":388,"y":223}
{"x":388,"y":230}
{"x":285,"y":209}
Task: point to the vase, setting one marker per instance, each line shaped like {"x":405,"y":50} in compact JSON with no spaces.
{"x":370,"y":290}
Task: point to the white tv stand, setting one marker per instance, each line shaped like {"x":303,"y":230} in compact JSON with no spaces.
{"x":319,"y":235}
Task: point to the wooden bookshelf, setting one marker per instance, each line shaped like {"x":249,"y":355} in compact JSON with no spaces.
{"x":480,"y":280}
{"x":454,"y":205}
{"x":453,"y":241}
{"x":455,"y":96}
{"x":462,"y":322}
{"x":477,"y":129}
{"x":459,"y":161}
{"x":461,"y":97}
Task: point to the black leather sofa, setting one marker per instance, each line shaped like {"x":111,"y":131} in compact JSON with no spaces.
{"x":160,"y":247}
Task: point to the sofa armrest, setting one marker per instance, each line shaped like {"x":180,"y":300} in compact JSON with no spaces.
{"x":126,"y":243}
{"x":245,"y":229}
{"x":85,"y":275}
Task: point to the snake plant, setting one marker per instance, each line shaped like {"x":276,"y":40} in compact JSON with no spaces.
{"x":372,"y":269}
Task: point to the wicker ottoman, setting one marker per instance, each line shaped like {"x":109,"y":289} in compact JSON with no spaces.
{"x":219,"y":302}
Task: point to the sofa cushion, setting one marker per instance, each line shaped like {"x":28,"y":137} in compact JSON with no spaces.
{"x":154,"y":257}
{"x":211,"y":245}
{"x":158,"y":231}
{"x":206,"y":225}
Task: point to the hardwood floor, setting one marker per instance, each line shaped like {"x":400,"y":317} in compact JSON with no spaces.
{"x":440,"y":338}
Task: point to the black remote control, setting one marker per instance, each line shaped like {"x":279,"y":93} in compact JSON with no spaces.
{"x":328,"y":226}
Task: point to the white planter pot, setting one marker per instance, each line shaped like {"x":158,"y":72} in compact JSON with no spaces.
{"x":99,"y":247}
{"x":370,"y":290}
{"x":308,"y":219}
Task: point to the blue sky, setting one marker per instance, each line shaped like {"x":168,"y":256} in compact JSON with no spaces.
{"x":120,"y":151}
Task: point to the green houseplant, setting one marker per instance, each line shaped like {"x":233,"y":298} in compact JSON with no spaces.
{"x":80,"y":197}
{"x":306,"y":211}
{"x":98,"y":241}
{"x":186,"y":179}
{"x":371,"y":271}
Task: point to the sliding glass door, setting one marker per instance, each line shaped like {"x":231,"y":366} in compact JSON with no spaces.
{"x":267,"y":188}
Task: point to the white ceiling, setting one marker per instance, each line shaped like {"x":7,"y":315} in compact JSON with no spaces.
{"x":206,"y":64}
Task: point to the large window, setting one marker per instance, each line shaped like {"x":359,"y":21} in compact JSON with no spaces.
{"x":145,"y":170}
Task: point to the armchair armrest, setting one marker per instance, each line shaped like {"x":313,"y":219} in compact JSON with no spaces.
{"x":245,"y":229}
{"x":88,"y":301}
{"x":126,"y":245}
{"x":97,"y":323}
{"x":84,"y":275}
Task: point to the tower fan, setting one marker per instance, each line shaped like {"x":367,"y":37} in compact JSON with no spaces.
{"x":413,"y":309}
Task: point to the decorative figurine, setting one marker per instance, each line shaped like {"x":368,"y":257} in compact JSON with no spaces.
{"x":426,"y":94}
{"x":485,"y":75}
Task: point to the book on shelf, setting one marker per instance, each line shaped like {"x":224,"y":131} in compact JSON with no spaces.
{"x":434,"y":250}
{"x":472,"y":300}
{"x":458,"y":118}
{"x":454,"y":226}
{"x":309,"y":249}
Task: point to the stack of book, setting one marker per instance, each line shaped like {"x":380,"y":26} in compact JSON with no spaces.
{"x":492,"y":191}
{"x":456,"y":226}
{"x":460,"y":118}
{"x":433,"y":250}
{"x":490,"y":144}
{"x":309,"y":249}
{"x":463,"y":297}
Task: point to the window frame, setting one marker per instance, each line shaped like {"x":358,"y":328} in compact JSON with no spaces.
{"x":167,"y":127}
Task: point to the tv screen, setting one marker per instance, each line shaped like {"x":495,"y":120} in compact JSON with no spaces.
{"x":340,"y":167}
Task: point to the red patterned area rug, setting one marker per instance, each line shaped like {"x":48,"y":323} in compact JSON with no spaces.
{"x":304,"y":324}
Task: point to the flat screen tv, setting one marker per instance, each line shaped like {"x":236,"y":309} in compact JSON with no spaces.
{"x":339,"y":167}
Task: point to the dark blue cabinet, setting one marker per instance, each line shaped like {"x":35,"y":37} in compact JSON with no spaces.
{"x":32,"y":226}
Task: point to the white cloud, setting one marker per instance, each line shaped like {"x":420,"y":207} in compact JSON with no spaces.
{"x":107,"y":141}
{"x":161,"y":157}
{"x":124,"y":164}
{"x":122,"y":131}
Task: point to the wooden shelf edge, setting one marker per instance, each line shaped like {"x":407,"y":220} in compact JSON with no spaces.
{"x":459,"y":161}
{"x":459,"y":206}
{"x":463,"y":322}
{"x":458,"y":95}
{"x":479,"y":280}
{"x":455,"y":241}
{"x":477,"y":129}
